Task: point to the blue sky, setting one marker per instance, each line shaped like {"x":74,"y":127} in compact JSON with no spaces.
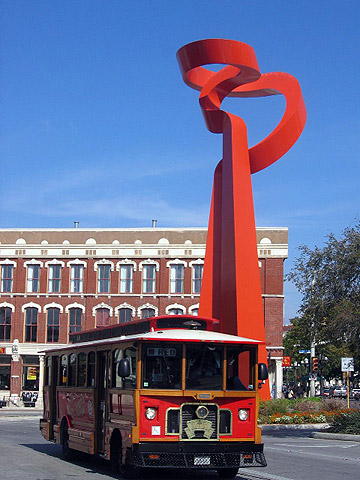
{"x":96,"y":124}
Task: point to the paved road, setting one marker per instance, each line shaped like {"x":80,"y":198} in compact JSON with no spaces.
{"x":291,"y":455}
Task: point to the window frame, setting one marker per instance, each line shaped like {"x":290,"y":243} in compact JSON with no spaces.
{"x":54,"y":282}
{"x":5,"y":327}
{"x":76,"y":278}
{"x":127,"y":280}
{"x":33,"y":281}
{"x":147,"y":281}
{"x":5,"y":278}
{"x":31,"y":326}
{"x":177,"y":281}
{"x":102,"y":278}
{"x":54,"y":328}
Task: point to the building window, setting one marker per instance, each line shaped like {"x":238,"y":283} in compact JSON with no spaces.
{"x":5,"y":323}
{"x":125,"y":315}
{"x":5,"y":369}
{"x":104,"y":278}
{"x":195,"y":312}
{"x":30,"y":380}
{"x":126,"y":278}
{"x":176,"y":311}
{"x":31,"y":315}
{"x":76,"y":278}
{"x":33,"y":276}
{"x":53,"y":324}
{"x":102,"y":317}
{"x":147,"y":312}
{"x":177,"y":279}
{"x":6,"y":278}
{"x":197,"y":277}
{"x":75,"y":316}
{"x":148,"y":278}
{"x":54,"y":278}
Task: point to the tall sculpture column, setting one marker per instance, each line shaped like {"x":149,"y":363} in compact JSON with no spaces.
{"x":231,"y":288}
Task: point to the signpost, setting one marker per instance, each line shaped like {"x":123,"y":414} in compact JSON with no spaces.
{"x":347,"y":365}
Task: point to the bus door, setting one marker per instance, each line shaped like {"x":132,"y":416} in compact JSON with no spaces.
{"x":103,"y":410}
{"x":53,"y":393}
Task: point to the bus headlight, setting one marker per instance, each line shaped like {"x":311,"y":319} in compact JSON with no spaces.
{"x":243,"y":414}
{"x":202,"y":412}
{"x":150,"y":413}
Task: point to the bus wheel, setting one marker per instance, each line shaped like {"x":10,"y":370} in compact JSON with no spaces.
{"x":67,"y":453}
{"x":227,"y":472}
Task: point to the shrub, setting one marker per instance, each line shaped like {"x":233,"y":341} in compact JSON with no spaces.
{"x":346,"y":423}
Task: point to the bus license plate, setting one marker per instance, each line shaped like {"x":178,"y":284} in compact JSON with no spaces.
{"x":202,"y":461}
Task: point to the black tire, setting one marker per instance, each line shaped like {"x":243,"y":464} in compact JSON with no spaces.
{"x":227,"y":472}
{"x":68,"y":454}
{"x":116,"y":453}
{"x":126,"y":471}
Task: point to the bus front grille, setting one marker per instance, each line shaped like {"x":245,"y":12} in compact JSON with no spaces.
{"x":195,"y":427}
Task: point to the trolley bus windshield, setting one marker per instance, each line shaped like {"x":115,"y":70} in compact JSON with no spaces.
{"x":204,"y":366}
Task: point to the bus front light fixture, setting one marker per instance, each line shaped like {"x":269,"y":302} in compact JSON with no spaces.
{"x":243,"y":414}
{"x":150,"y":413}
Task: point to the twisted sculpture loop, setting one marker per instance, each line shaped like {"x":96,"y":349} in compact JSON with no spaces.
{"x":231,"y":288}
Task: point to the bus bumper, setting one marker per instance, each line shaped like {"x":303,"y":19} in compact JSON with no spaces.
{"x":196,"y":455}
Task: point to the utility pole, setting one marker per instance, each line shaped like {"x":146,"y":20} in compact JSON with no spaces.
{"x":312,"y":347}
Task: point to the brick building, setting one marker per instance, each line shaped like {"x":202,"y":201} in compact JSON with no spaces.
{"x":56,"y":281}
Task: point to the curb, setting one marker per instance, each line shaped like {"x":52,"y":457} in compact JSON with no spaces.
{"x":292,"y":426}
{"x":336,"y":436}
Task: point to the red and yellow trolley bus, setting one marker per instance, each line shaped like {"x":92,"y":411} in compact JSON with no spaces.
{"x":168,"y":391}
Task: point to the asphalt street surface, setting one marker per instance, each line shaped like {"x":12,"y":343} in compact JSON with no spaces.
{"x":291,"y":455}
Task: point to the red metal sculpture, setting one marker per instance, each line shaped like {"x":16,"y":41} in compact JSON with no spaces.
{"x":231,"y":283}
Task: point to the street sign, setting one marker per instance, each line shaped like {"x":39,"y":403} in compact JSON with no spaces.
{"x":347,"y":364}
{"x":286,"y":361}
{"x":304,"y":351}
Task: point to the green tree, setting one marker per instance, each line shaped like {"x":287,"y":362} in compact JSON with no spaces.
{"x":329,"y":280}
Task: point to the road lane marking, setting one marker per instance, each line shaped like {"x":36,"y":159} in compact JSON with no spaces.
{"x":316,"y":446}
{"x":264,"y":476}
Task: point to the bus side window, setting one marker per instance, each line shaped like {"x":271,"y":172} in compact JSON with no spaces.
{"x":72,"y":369}
{"x":116,"y":380}
{"x":130,"y":381}
{"x":48,"y":371}
{"x":82,"y":369}
{"x":91,"y":370}
{"x":239,"y":374}
{"x":63,"y":370}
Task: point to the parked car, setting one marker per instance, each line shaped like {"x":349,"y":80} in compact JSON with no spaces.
{"x":356,"y":393}
{"x":326,"y":392}
{"x":339,"y":392}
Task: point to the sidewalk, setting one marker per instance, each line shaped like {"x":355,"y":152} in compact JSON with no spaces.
{"x":7,"y":412}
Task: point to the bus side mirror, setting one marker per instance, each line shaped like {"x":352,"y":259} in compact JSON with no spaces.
{"x":263,"y":372}
{"x":124,"y":368}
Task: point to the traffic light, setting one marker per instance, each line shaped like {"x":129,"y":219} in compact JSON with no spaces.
{"x":315,"y":366}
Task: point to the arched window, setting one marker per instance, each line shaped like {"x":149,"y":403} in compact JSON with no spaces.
{"x":31,"y":325}
{"x":147,"y":312}
{"x":176,"y":311}
{"x":75,"y":320}
{"x":195,"y":312}
{"x":5,"y":323}
{"x":124,"y":315}
{"x":102,"y":317}
{"x":53,"y":324}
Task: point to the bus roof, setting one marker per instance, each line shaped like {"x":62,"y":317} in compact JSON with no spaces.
{"x":173,"y":335}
